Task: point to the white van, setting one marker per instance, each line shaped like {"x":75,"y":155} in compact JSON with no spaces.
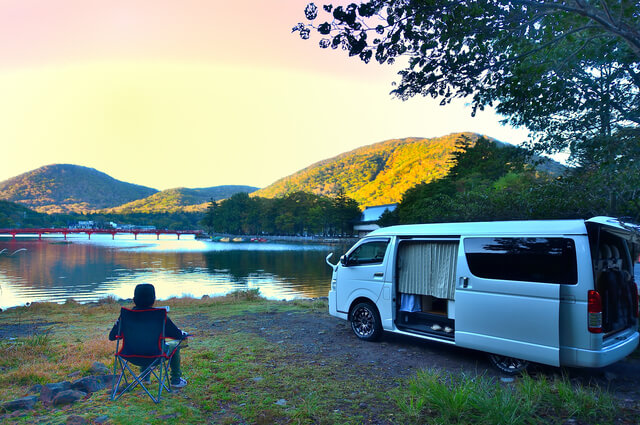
{"x":556,"y":292}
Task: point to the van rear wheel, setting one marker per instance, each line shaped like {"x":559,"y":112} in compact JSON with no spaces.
{"x":509,"y":365}
{"x":365,"y":321}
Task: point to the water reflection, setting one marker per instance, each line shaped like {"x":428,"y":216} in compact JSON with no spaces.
{"x":86,"y":270}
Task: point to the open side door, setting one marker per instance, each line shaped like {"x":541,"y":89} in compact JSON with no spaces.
{"x":502,"y":310}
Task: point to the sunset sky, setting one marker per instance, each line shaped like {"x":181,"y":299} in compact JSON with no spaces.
{"x":194,"y":93}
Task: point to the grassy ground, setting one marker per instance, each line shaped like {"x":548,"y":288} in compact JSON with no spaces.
{"x":236,"y":377}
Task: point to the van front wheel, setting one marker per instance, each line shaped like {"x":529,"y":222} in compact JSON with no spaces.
{"x":365,"y":321}
{"x":509,"y":365}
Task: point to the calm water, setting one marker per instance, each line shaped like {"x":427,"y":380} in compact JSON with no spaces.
{"x":86,"y":270}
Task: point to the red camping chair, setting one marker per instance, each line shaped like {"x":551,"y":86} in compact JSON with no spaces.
{"x":141,"y":342}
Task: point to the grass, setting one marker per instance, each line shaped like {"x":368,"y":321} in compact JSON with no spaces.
{"x":238,"y":377}
{"x":443,"y":398}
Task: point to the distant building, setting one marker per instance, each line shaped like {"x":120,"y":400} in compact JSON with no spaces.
{"x":88,"y":224}
{"x":369,"y":217}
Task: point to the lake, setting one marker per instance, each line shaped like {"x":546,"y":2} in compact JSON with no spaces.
{"x":87,"y":270}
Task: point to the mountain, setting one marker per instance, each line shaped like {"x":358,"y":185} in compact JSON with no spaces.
{"x":180,"y":199}
{"x":16,"y":215}
{"x":62,"y":188}
{"x":376,"y":174}
{"x":379,"y":174}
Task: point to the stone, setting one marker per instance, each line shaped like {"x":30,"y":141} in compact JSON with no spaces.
{"x":24,"y":403}
{"x":101,"y":419}
{"x":74,"y":374}
{"x":98,"y":368}
{"x":107,"y":380}
{"x":49,"y":391}
{"x":257,"y":379}
{"x":507,"y":380}
{"x":35,"y":389}
{"x":88,"y":384}
{"x":76,"y":420}
{"x":68,"y":397}
{"x":281,"y":402}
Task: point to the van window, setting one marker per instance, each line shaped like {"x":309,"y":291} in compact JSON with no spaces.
{"x":369,"y":253}
{"x":547,"y":260}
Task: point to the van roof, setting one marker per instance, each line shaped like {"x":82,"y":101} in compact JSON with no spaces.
{"x":528,"y":227}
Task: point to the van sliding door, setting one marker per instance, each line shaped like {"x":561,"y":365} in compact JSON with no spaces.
{"x":507,"y":295}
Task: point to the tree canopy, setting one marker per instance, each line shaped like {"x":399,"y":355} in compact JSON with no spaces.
{"x":568,"y":70}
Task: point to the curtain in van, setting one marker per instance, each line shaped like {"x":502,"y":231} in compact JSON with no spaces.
{"x":428,"y":268}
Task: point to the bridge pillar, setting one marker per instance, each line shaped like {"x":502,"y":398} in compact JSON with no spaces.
{"x":39,"y":236}
{"x":135,"y":235}
{"x":13,"y":235}
{"x":178,"y":235}
{"x":89,"y":233}
{"x":65,"y":235}
{"x":113,"y":235}
{"x":157,"y":235}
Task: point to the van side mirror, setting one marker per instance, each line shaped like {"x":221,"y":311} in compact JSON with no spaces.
{"x":344,"y":260}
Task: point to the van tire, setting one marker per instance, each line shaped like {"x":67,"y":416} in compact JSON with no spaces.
{"x":365,"y":321}
{"x":508,"y":365}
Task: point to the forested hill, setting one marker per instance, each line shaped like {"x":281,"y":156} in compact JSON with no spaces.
{"x":180,"y":199}
{"x":376,"y":174}
{"x":63,"y":188}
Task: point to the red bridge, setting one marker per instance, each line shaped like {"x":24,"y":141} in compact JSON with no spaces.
{"x":112,"y":232}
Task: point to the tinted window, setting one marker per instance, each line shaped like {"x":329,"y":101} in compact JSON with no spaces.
{"x":549,"y":260}
{"x":368,"y":253}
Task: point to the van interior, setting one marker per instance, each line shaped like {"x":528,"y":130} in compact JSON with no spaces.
{"x":426,"y":286}
{"x":613,"y":272}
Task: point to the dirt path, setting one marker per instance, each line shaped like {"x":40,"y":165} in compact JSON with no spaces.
{"x":394,"y":356}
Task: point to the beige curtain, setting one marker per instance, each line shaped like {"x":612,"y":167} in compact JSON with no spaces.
{"x":428,"y":268}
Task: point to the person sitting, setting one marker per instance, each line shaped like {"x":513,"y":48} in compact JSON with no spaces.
{"x":144,"y":296}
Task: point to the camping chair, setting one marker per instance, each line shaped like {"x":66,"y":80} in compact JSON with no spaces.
{"x":140,"y":341}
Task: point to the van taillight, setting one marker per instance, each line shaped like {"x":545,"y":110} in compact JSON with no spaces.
{"x":635,"y":299}
{"x":594,"y":312}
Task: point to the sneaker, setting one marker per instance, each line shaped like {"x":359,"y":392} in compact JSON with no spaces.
{"x":178,"y":383}
{"x":448,"y":330}
{"x":436,"y":327}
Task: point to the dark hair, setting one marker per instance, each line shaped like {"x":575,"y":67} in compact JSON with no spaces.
{"x":144,"y":295}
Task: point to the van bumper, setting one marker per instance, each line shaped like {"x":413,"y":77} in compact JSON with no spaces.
{"x":333,"y":303}
{"x":617,"y":348}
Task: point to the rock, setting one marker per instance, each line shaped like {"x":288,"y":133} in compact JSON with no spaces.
{"x":88,"y":384}
{"x":507,"y":380}
{"x":205,"y":297}
{"x":74,"y":374}
{"x":35,"y":389}
{"x":24,"y":403}
{"x":281,"y":402}
{"x":98,"y":368}
{"x":49,"y":391}
{"x":68,"y":397}
{"x":107,"y":380}
{"x":76,"y":420}
{"x":169,"y":416}
{"x":101,"y":419}
{"x":257,"y":379}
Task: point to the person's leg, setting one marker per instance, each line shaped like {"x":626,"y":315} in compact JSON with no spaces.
{"x":174,"y":364}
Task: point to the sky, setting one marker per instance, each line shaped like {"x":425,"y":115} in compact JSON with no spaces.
{"x":195,"y":93}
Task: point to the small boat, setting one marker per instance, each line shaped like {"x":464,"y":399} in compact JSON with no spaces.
{"x":238,"y":239}
{"x":216,"y":238}
{"x":225,"y":239}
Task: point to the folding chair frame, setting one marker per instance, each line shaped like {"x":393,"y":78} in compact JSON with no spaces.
{"x":161,"y":360}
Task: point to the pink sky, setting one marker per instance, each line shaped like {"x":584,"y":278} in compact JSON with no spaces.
{"x":84,"y":81}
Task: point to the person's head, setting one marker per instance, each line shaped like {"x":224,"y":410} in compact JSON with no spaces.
{"x":144,"y":295}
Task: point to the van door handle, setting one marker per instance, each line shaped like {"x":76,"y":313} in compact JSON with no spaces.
{"x":378,"y":274}
{"x":465,"y":282}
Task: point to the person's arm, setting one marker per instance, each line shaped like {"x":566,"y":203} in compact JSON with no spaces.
{"x":114,"y":330}
{"x":172,"y":331}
